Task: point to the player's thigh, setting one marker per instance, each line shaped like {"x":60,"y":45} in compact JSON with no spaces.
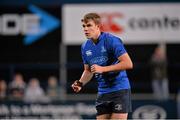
{"x":103,"y":105}
{"x":119,"y":116}
{"x":103,"y":116}
{"x":122,"y":102}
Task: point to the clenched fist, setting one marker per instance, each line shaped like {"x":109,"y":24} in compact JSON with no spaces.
{"x":77,"y":86}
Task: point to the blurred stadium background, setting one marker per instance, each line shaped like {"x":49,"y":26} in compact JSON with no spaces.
{"x":40,"y":56}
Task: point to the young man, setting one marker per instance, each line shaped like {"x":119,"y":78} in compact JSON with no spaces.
{"x":105,"y":57}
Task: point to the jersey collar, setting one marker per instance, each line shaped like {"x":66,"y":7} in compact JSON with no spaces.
{"x":99,"y":38}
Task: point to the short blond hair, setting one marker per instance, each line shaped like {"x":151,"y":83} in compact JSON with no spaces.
{"x":92,"y":16}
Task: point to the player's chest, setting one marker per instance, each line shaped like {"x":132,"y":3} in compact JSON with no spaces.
{"x":95,"y":51}
{"x":97,"y":55}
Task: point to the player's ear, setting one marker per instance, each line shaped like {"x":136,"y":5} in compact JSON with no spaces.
{"x":98,"y":26}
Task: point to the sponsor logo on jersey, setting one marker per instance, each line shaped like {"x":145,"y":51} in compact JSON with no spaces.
{"x":88,"y":52}
{"x":99,"y":60}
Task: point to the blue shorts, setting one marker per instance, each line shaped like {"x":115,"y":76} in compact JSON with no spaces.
{"x":114,"y":102}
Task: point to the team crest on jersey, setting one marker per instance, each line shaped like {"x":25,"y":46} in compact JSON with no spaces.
{"x":88,"y":52}
{"x":103,"y":49}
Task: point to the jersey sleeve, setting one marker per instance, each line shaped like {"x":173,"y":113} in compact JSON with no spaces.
{"x":117,"y":46}
{"x":83,"y":55}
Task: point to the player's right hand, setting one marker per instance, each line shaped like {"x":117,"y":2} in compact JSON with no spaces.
{"x":76,"y":86}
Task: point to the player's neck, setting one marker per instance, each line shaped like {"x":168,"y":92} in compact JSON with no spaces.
{"x":95,"y":39}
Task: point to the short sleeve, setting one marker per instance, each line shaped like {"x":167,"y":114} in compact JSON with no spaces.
{"x":117,"y":46}
{"x":83,"y":55}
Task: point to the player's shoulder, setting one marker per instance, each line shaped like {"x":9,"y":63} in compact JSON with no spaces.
{"x":110,"y":35}
{"x":112,"y":38}
{"x":84,"y":44}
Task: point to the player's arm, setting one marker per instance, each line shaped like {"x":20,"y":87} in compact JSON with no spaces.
{"x":85,"y":78}
{"x":124,"y":64}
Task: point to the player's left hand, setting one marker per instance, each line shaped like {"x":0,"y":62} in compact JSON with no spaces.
{"x":97,"y":69}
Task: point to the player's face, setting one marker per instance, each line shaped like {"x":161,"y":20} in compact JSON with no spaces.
{"x":91,"y":30}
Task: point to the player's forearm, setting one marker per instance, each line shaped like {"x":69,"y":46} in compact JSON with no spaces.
{"x":86,"y":77}
{"x":120,"y":66}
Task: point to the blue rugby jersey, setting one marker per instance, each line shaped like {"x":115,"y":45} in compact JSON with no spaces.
{"x":104,"y":53}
